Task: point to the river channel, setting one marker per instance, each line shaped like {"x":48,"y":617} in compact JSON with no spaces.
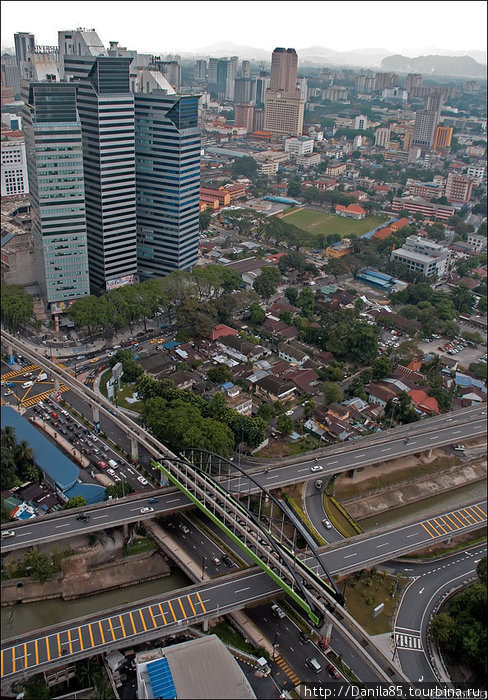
{"x":25,"y":617}
{"x":427,"y":507}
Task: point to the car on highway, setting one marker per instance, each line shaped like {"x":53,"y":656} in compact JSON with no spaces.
{"x":94,"y":359}
{"x":55,"y":416}
{"x":147,"y":509}
{"x":153,"y":500}
{"x":26,"y":385}
{"x":326,"y":523}
{"x":333,"y":672}
{"x":27,"y":374}
{"x":142,"y":480}
{"x":81,"y":357}
{"x":111,"y":472}
{"x":216,"y":561}
{"x":102,"y":465}
{"x":83,"y":516}
{"x":94,"y":437}
{"x":313,"y":664}
{"x":9,"y":392}
{"x":276,"y":610}
{"x":303,"y":636}
{"x":228,"y":561}
{"x":184,"y":528}
{"x":7,"y":533}
{"x":459,"y":448}
{"x":111,"y":410}
{"x":316,"y":468}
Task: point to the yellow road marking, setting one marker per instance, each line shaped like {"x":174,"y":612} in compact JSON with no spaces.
{"x":91,"y":635}
{"x":182,"y":608}
{"x":142,"y":620}
{"x":132,"y":621}
{"x":172,"y":611}
{"x":462,"y":515}
{"x":439,"y":525}
{"x":162,"y":613}
{"x":80,"y":637}
{"x":152,"y":617}
{"x":36,"y":649}
{"x":122,"y":626}
{"x":48,"y":649}
{"x":459,"y":519}
{"x":101,"y":631}
{"x":481,"y":510}
{"x":201,"y":602}
{"x":13,"y":659}
{"x":25,"y":656}
{"x":59,"y":644}
{"x":111,"y":628}
{"x":191,"y":604}
{"x":472,"y":514}
{"x":444,"y":522}
{"x":452,"y":521}
{"x":70,"y":643}
{"x":428,"y":531}
{"x":1,"y":663}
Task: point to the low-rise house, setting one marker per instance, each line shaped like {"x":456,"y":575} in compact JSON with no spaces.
{"x":306,"y":380}
{"x":291,"y":353}
{"x":245,"y":348}
{"x":352,"y":211}
{"x":239,"y":402}
{"x":158,"y":365}
{"x":380,"y":392}
{"x":181,"y":379}
{"x":423,"y":402}
{"x":222,"y":330}
{"x":275,"y":389}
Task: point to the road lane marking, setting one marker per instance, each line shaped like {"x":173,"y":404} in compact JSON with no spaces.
{"x":354,"y":554}
{"x":439,"y":526}
{"x":80,"y":638}
{"x":428,"y":531}
{"x":48,"y":650}
{"x":382,"y":545}
{"x":132,"y":622}
{"x":36,"y":651}
{"x":122,"y":626}
{"x":152,"y":617}
{"x":142,"y":620}
{"x":421,"y":591}
{"x":25,"y":656}
{"x":481,"y":509}
{"x":63,"y":525}
{"x":241,"y":590}
{"x":111,"y":628}
{"x":162,"y":613}
{"x":101,"y":632}
{"x":182,"y":608}
{"x":414,"y":534}
{"x":475,"y":516}
{"x":444,"y":522}
{"x":91,"y":635}
{"x":201,"y":602}
{"x":172,"y":611}
{"x":452,"y":521}
{"x":191,"y":604}
{"x":13,"y":660}
{"x":70,"y":644}
{"x":58,"y":637}
{"x":455,"y":515}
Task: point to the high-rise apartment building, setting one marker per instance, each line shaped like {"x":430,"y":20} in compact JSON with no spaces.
{"x":201,"y":69}
{"x":55,"y":165}
{"x":262,"y":84}
{"x":303,"y":88}
{"x":245,"y":90}
{"x":459,"y":188}
{"x":171,"y":71}
{"x":246,"y":69}
{"x":424,"y":128}
{"x":365,"y":83}
{"x":413,"y":81}
{"x":232,"y":68}
{"x":407,"y":139}
{"x":258,"y":119}
{"x":382,"y":137}
{"x":283,"y":108}
{"x":361,"y":123}
{"x":442,"y":137}
{"x":385,"y":80}
{"x":167,"y":150}
{"x":244,"y":116}
{"x":15,"y":180}
{"x":106,"y":109}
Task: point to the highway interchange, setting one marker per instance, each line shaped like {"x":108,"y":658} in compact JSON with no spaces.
{"x":361,"y":551}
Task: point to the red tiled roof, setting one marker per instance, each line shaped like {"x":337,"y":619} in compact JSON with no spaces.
{"x":424,"y":402}
{"x":221,"y":330}
{"x":382,"y":233}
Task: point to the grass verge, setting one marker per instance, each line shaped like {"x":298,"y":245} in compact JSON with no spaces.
{"x":229,"y":635}
{"x":337,"y":518}
{"x":143,"y":544}
{"x":365,"y":590}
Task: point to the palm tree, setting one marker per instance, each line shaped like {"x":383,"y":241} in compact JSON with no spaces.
{"x":23,"y":453}
{"x":8,"y":437}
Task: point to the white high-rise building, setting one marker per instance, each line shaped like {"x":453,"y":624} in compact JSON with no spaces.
{"x":361,"y":123}
{"x":78,"y":42}
{"x":382,"y":137}
{"x":14,"y":166}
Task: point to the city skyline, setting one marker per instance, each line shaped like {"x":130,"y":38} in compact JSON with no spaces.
{"x":376,"y":29}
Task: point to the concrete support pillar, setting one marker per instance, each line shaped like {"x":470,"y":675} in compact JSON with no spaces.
{"x":125,"y":530}
{"x":430,"y":453}
{"x":56,"y":384}
{"x":351,"y":473}
{"x":205,"y":626}
{"x":95,"y":413}
{"x":134,"y":448}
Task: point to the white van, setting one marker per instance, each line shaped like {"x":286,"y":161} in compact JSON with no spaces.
{"x":42,"y":377}
{"x":112,"y":463}
{"x":26,"y":385}
{"x":313,"y":664}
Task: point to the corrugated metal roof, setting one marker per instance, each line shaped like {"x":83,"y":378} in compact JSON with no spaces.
{"x":161,"y":680}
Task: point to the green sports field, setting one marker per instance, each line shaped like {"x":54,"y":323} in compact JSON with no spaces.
{"x":320,"y":223}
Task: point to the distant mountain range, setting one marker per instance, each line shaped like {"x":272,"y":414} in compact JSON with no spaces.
{"x":462,"y":66}
{"x":365,"y":58}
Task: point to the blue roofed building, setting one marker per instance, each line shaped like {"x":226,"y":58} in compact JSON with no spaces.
{"x":58,"y":471}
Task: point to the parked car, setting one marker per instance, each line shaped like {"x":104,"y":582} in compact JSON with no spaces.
{"x":333,"y":672}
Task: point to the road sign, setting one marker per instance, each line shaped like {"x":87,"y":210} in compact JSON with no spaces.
{"x":378,"y":610}
{"x":11,"y":360}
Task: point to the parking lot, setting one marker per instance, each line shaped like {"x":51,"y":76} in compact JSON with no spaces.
{"x":465,"y":357}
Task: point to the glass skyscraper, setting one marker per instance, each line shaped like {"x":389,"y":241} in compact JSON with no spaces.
{"x":167,"y":143}
{"x":55,"y":167}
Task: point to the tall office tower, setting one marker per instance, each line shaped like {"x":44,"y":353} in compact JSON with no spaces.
{"x":10,"y":74}
{"x":106,"y":108}
{"x":24,"y":44}
{"x":283,"y":108}
{"x":167,"y":182}
{"x":245,"y":90}
{"x":385,"y":80}
{"x":213,"y":64}
{"x":361,"y":122}
{"x":426,"y":121}
{"x":246,"y":69}
{"x":442,"y":138}
{"x":412,"y":81}
{"x":284,"y":63}
{"x":232,"y":67}
{"x":244,"y":116}
{"x":55,"y":164}
{"x":262,"y":84}
{"x":78,"y":42}
{"x":303,"y":88}
{"x":382,"y":137}
{"x":201,"y":69}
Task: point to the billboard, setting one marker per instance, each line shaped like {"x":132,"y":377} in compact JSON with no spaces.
{"x":58,"y":307}
{"x":120,"y":282}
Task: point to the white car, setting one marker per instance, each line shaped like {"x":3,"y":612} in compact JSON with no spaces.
{"x":459,"y":448}
{"x":326,"y":523}
{"x":111,"y":472}
{"x":94,"y":437}
{"x":26,"y":385}
{"x":289,"y":413}
{"x":316,"y":468}
{"x":147,"y":509}
{"x":142,"y":480}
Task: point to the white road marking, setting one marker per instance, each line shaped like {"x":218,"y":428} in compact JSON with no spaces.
{"x":334,"y":462}
{"x":354,"y":554}
{"x":99,"y":517}
{"x":63,"y":525}
{"x":414,"y":534}
{"x":421,"y":591}
{"x":381,"y":545}
{"x":240,"y":590}
{"x":173,"y":500}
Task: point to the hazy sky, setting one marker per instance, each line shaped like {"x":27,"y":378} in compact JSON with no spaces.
{"x":159,"y":26}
